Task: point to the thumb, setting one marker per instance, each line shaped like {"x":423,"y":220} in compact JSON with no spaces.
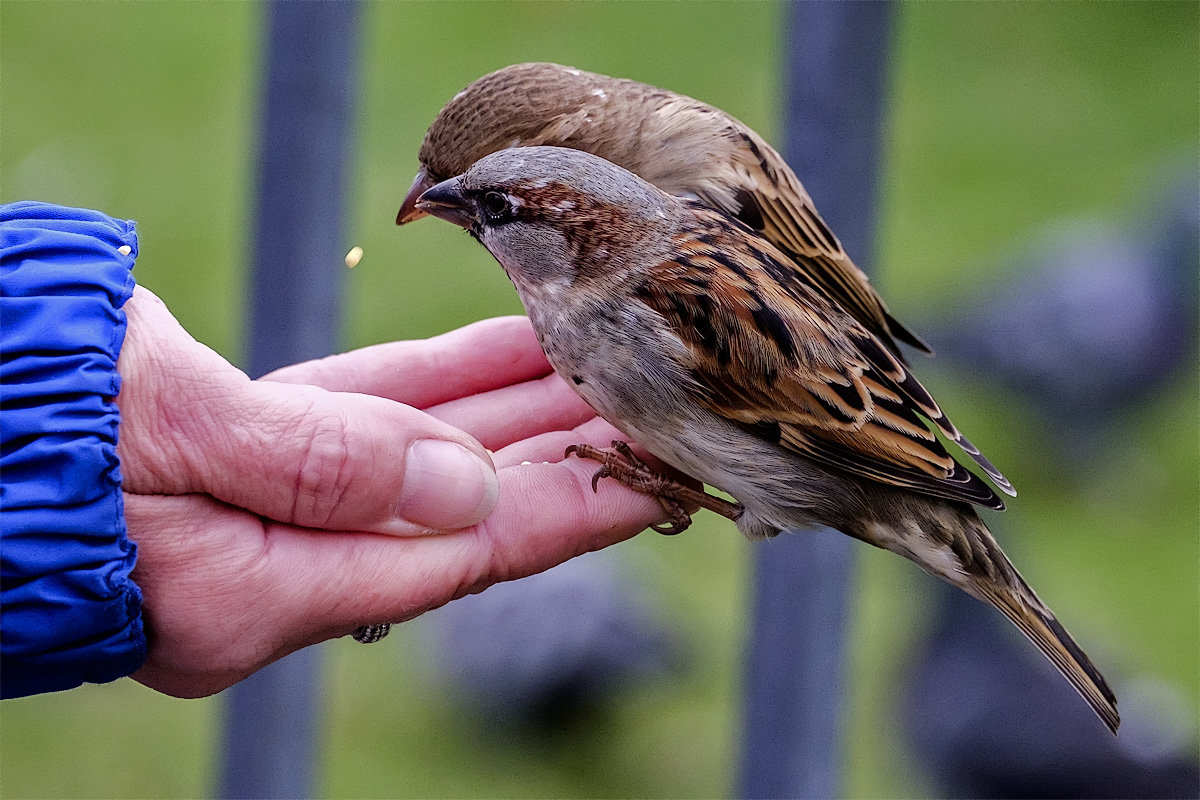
{"x":309,"y":457}
{"x":191,"y":422}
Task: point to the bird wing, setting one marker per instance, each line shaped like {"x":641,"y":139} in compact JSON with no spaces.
{"x":774,"y":355}
{"x":772,"y":200}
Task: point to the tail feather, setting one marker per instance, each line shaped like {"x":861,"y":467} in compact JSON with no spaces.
{"x":949,"y":540}
{"x":1044,"y":630}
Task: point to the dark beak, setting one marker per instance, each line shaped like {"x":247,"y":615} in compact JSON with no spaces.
{"x":408,"y":209}
{"x":447,"y":201}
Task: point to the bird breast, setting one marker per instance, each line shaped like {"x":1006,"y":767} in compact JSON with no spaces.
{"x":624,"y":362}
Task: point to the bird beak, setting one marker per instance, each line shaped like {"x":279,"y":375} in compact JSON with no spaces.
{"x":447,"y":201}
{"x":408,"y":209}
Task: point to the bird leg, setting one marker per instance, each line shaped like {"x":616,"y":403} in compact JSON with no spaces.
{"x":622,"y":464}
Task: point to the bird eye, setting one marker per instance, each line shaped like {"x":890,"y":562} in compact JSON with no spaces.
{"x":496,"y":205}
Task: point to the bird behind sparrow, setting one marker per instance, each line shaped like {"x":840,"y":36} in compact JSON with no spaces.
{"x":681,"y":145}
{"x":695,"y":337}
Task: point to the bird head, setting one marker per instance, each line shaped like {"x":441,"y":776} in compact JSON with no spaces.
{"x":507,"y":108}
{"x":549,"y":213}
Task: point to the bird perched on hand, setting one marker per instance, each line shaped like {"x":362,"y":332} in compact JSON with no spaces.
{"x":682,"y":146}
{"x":695,"y":336}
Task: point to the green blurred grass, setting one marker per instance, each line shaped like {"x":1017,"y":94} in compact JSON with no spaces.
{"x":1003,"y":116}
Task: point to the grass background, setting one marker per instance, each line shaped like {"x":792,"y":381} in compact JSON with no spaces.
{"x":1002,"y":116}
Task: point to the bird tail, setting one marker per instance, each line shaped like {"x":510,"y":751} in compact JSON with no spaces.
{"x":949,"y":540}
{"x":1021,"y":605}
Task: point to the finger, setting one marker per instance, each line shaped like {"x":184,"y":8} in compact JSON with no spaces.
{"x":551,"y":446}
{"x":547,"y":513}
{"x":478,"y":358}
{"x":225,"y":593}
{"x":294,"y":453}
{"x":503,"y":416}
{"x":302,"y":455}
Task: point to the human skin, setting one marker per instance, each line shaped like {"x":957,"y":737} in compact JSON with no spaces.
{"x":276,"y":513}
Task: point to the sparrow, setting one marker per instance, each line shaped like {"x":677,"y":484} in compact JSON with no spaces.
{"x":698,"y":339}
{"x":683,"y":146}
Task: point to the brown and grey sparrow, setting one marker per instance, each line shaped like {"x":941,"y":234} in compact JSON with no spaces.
{"x":682,"y":146}
{"x":697,"y":338}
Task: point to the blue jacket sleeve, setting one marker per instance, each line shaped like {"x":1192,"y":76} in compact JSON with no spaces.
{"x":69,"y":612}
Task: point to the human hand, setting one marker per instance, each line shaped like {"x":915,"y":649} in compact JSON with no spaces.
{"x":258,"y":506}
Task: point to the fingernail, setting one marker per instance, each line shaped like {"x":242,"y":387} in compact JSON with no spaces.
{"x":446,"y":486}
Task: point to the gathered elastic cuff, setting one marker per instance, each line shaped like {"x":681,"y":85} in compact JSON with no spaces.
{"x":71,"y":613}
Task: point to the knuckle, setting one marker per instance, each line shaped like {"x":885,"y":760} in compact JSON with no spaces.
{"x":323,"y":473}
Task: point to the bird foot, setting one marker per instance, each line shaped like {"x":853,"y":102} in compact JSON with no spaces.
{"x":623,"y":465}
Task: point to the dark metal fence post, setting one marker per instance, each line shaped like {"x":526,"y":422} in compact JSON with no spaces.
{"x":794,"y":686}
{"x":308,"y":102}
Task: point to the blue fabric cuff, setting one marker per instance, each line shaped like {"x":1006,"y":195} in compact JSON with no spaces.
{"x":70,"y":613}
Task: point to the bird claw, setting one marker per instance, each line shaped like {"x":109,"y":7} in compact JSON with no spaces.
{"x":603,"y":472}
{"x":623,"y":465}
{"x":680,"y":519}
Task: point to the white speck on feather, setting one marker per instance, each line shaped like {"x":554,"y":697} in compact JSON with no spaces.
{"x":603,"y":95}
{"x":574,"y":71}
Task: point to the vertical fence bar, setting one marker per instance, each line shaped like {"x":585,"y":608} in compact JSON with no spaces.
{"x":270,"y":732}
{"x":795,"y":673}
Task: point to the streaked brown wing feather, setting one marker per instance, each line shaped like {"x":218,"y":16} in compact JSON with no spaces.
{"x":791,"y":222}
{"x":777,"y":356}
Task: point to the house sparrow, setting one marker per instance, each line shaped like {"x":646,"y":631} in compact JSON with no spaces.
{"x":697,"y":338}
{"x":681,"y":145}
